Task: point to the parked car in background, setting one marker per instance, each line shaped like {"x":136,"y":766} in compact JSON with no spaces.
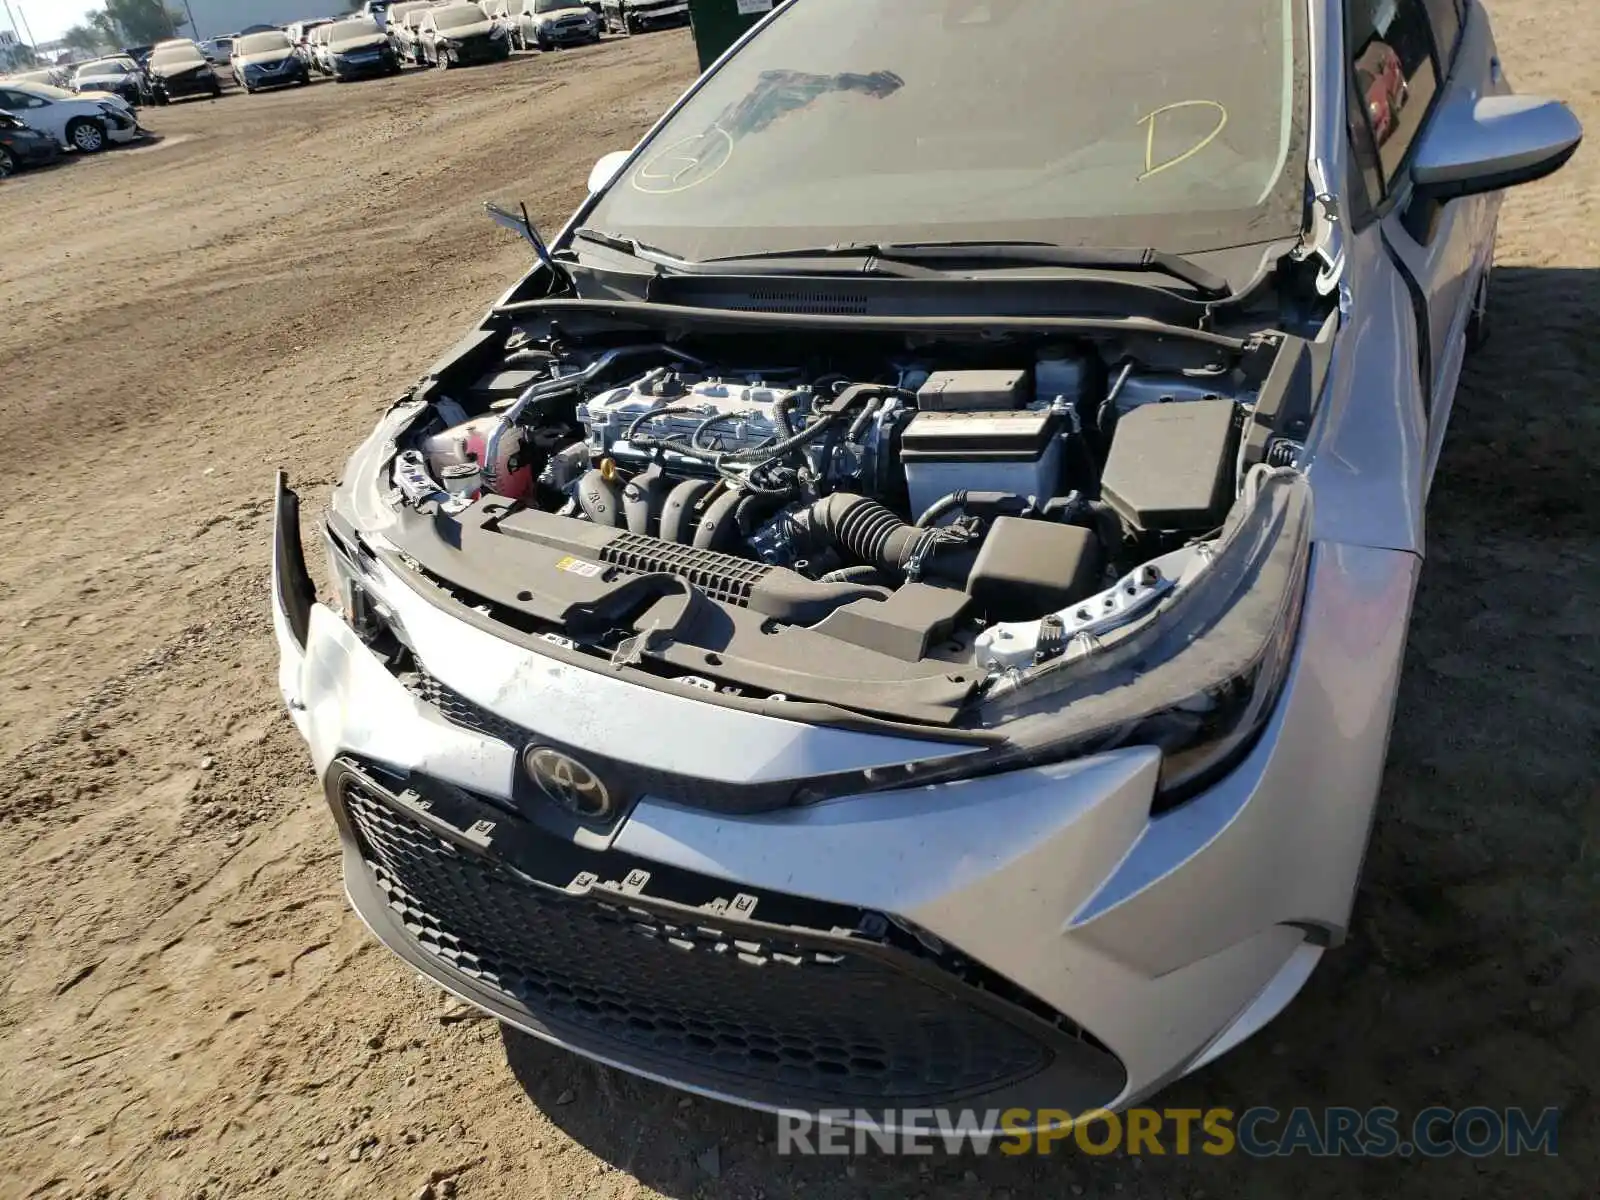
{"x":85,"y":123}
{"x":219,"y":50}
{"x":118,"y":76}
{"x":23,"y":146}
{"x":139,"y":54}
{"x":635,"y":16}
{"x":454,"y":35}
{"x":269,"y":59}
{"x":300,"y":34}
{"x":178,"y":69}
{"x":54,"y":76}
{"x":315,"y":48}
{"x":357,"y":48}
{"x":378,"y":11}
{"x":548,"y":24}
{"x":403,"y":21}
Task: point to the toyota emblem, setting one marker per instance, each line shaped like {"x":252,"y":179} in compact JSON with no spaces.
{"x":567,"y":782}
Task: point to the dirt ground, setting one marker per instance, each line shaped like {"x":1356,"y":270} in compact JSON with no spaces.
{"x":187,"y":1007}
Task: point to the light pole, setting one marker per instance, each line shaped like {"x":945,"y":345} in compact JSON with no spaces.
{"x":12,"y":21}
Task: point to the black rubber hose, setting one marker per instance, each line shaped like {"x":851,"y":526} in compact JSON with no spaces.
{"x":954,"y":502}
{"x":858,"y":427}
{"x":861,"y":574}
{"x":873,"y":534}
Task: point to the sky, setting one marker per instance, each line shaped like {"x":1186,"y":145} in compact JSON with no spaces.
{"x":48,"y":19}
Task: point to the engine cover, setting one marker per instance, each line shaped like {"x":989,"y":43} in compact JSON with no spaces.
{"x":748,"y":415}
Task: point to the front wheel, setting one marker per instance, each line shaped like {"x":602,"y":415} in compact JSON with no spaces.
{"x":442,"y":59}
{"x":87,"y":134}
{"x":8,"y":165}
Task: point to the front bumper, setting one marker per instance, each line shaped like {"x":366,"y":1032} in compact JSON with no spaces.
{"x":182,"y":87}
{"x":122,"y":127}
{"x":659,"y":17}
{"x":478,"y":50}
{"x":1127,"y":949}
{"x":380,"y":63}
{"x":294,"y":72}
{"x":37,"y":151}
{"x":571,"y":35}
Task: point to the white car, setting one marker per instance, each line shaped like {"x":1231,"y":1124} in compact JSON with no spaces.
{"x":403,"y":21}
{"x":316,"y":49}
{"x":86,"y":123}
{"x":551,"y":23}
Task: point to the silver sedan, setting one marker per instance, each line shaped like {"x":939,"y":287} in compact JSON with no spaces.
{"x":903,"y":604}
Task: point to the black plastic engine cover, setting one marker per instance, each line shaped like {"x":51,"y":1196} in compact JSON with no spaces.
{"x":1028,"y":568}
{"x":1171,"y":466}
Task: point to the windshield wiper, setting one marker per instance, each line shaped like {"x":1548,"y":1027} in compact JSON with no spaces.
{"x":629,"y":246}
{"x":1001,"y":254}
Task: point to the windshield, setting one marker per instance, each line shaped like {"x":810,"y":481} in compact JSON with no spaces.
{"x":544,"y":6}
{"x":171,"y":56}
{"x":261,"y":43}
{"x":353,"y":31}
{"x":107,"y":67}
{"x":1146,"y":123}
{"x":459,"y":17}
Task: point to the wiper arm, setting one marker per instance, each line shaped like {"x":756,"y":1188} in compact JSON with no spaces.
{"x":746,"y":263}
{"x":521,"y":224}
{"x":1010,"y":253}
{"x":629,"y":246}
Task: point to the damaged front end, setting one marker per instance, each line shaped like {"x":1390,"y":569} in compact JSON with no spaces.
{"x":1011,"y":550}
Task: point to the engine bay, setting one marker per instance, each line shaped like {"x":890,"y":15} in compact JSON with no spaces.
{"x":876,"y":522}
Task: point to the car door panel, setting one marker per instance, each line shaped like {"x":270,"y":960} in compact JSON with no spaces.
{"x":1444,"y":248}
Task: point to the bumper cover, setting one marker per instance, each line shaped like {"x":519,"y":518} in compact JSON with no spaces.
{"x":34,"y":151}
{"x":479,"y":50}
{"x":674,"y":975}
{"x":203,"y":84}
{"x":1167,"y":940}
{"x":378,"y":63}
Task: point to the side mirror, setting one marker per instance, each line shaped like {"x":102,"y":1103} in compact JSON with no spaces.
{"x":606,"y":169}
{"x":1496,"y":142}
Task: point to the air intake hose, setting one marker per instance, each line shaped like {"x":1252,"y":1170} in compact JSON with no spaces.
{"x":873,"y":535}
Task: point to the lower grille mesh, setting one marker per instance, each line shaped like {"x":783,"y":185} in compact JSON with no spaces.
{"x":764,"y":1018}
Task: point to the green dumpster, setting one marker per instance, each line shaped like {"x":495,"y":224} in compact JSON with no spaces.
{"x":720,"y":23}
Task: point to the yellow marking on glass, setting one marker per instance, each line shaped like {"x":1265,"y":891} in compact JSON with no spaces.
{"x":1151,"y":167}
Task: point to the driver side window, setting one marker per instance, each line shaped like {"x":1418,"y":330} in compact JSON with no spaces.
{"x":1395,"y":75}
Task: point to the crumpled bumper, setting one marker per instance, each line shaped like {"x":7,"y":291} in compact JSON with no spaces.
{"x":1161,"y":941}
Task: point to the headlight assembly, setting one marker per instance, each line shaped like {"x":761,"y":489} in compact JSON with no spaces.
{"x":1198,"y":680}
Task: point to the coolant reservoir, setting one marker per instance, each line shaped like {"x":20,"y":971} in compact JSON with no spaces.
{"x":509,"y":475}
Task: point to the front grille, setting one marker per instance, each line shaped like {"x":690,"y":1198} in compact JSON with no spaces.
{"x":627,"y":779}
{"x":458,"y":710}
{"x":768,"y":1018}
